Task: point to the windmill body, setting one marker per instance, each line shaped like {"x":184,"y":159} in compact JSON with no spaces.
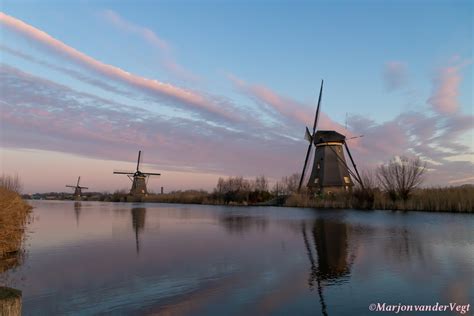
{"x":330,"y":172}
{"x":139,"y":184}
{"x":139,"y":179}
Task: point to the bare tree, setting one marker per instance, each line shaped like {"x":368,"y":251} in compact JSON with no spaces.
{"x":364,"y":193}
{"x":260,"y":184}
{"x":290,"y":184}
{"x":401,"y":176}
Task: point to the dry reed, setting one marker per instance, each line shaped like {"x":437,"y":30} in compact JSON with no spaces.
{"x":14,"y":213}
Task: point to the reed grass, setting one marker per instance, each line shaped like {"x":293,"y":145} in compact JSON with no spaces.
{"x":448,"y":199}
{"x":14,"y":214}
{"x":185,"y":197}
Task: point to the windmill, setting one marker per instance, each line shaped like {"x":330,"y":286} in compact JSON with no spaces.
{"x":330,"y":172}
{"x":77,"y":189}
{"x":139,"y":179}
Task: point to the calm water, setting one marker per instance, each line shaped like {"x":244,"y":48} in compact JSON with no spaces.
{"x":144,"y":259}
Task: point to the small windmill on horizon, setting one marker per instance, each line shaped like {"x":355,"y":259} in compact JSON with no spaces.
{"x":139,"y":179}
{"x":77,"y":189}
{"x":330,"y":172}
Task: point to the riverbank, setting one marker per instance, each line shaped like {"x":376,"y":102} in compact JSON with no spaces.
{"x":14,"y":213}
{"x":449,"y":199}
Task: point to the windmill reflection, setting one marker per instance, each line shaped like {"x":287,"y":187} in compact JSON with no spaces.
{"x":330,"y":239}
{"x":77,"y":211}
{"x":138,"y":222}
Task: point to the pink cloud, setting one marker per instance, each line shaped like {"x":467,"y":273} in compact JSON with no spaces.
{"x":298,"y":113}
{"x":90,"y":126}
{"x":444,"y":97}
{"x":147,"y":34}
{"x":194,"y":100}
{"x":40,"y":114}
{"x":154,"y":40}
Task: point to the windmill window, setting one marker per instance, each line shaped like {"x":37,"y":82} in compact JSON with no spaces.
{"x":347,"y":180}
{"x":316,"y":180}
{"x":318,"y":166}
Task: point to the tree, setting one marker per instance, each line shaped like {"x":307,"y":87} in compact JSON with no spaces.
{"x":364,"y":194}
{"x":401,"y":176}
{"x":260,"y":184}
{"x":288,"y":185}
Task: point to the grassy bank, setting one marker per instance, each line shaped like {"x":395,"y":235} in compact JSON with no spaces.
{"x":14,"y":214}
{"x":449,"y":199}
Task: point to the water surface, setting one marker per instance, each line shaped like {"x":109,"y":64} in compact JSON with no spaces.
{"x":152,"y":259}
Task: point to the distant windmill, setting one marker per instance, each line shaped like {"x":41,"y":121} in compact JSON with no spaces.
{"x":330,"y":172}
{"x":77,"y":189}
{"x":139,"y":179}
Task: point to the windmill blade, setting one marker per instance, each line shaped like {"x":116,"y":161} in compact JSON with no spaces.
{"x":138,"y":161}
{"x":86,"y":188}
{"x":151,"y":174}
{"x":315,"y":124}
{"x":78,"y":179}
{"x":354,"y":137}
{"x":124,"y":172}
{"x":70,"y":186}
{"x":354,"y":165}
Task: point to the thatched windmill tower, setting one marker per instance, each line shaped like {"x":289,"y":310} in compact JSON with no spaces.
{"x":330,"y":172}
{"x":139,"y":179}
{"x":77,"y":189}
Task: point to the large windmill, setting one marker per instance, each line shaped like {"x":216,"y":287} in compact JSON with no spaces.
{"x":77,"y":189}
{"x":330,"y":172}
{"x":139,"y":179}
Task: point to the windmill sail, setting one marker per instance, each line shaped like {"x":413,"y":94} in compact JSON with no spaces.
{"x":311,"y":138}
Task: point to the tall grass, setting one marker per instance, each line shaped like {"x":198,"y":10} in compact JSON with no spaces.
{"x":14,"y":213}
{"x":185,"y":197}
{"x":12,"y":183}
{"x":448,"y":199}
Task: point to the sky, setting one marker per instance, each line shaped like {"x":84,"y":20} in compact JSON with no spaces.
{"x":210,"y":89}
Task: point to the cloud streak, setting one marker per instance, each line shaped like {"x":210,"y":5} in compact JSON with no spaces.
{"x":154,"y":40}
{"x":37,"y":113}
{"x":147,"y":34}
{"x":194,"y":101}
{"x":290,"y":111}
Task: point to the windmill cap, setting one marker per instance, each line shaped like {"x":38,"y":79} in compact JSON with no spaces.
{"x":328,"y":136}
